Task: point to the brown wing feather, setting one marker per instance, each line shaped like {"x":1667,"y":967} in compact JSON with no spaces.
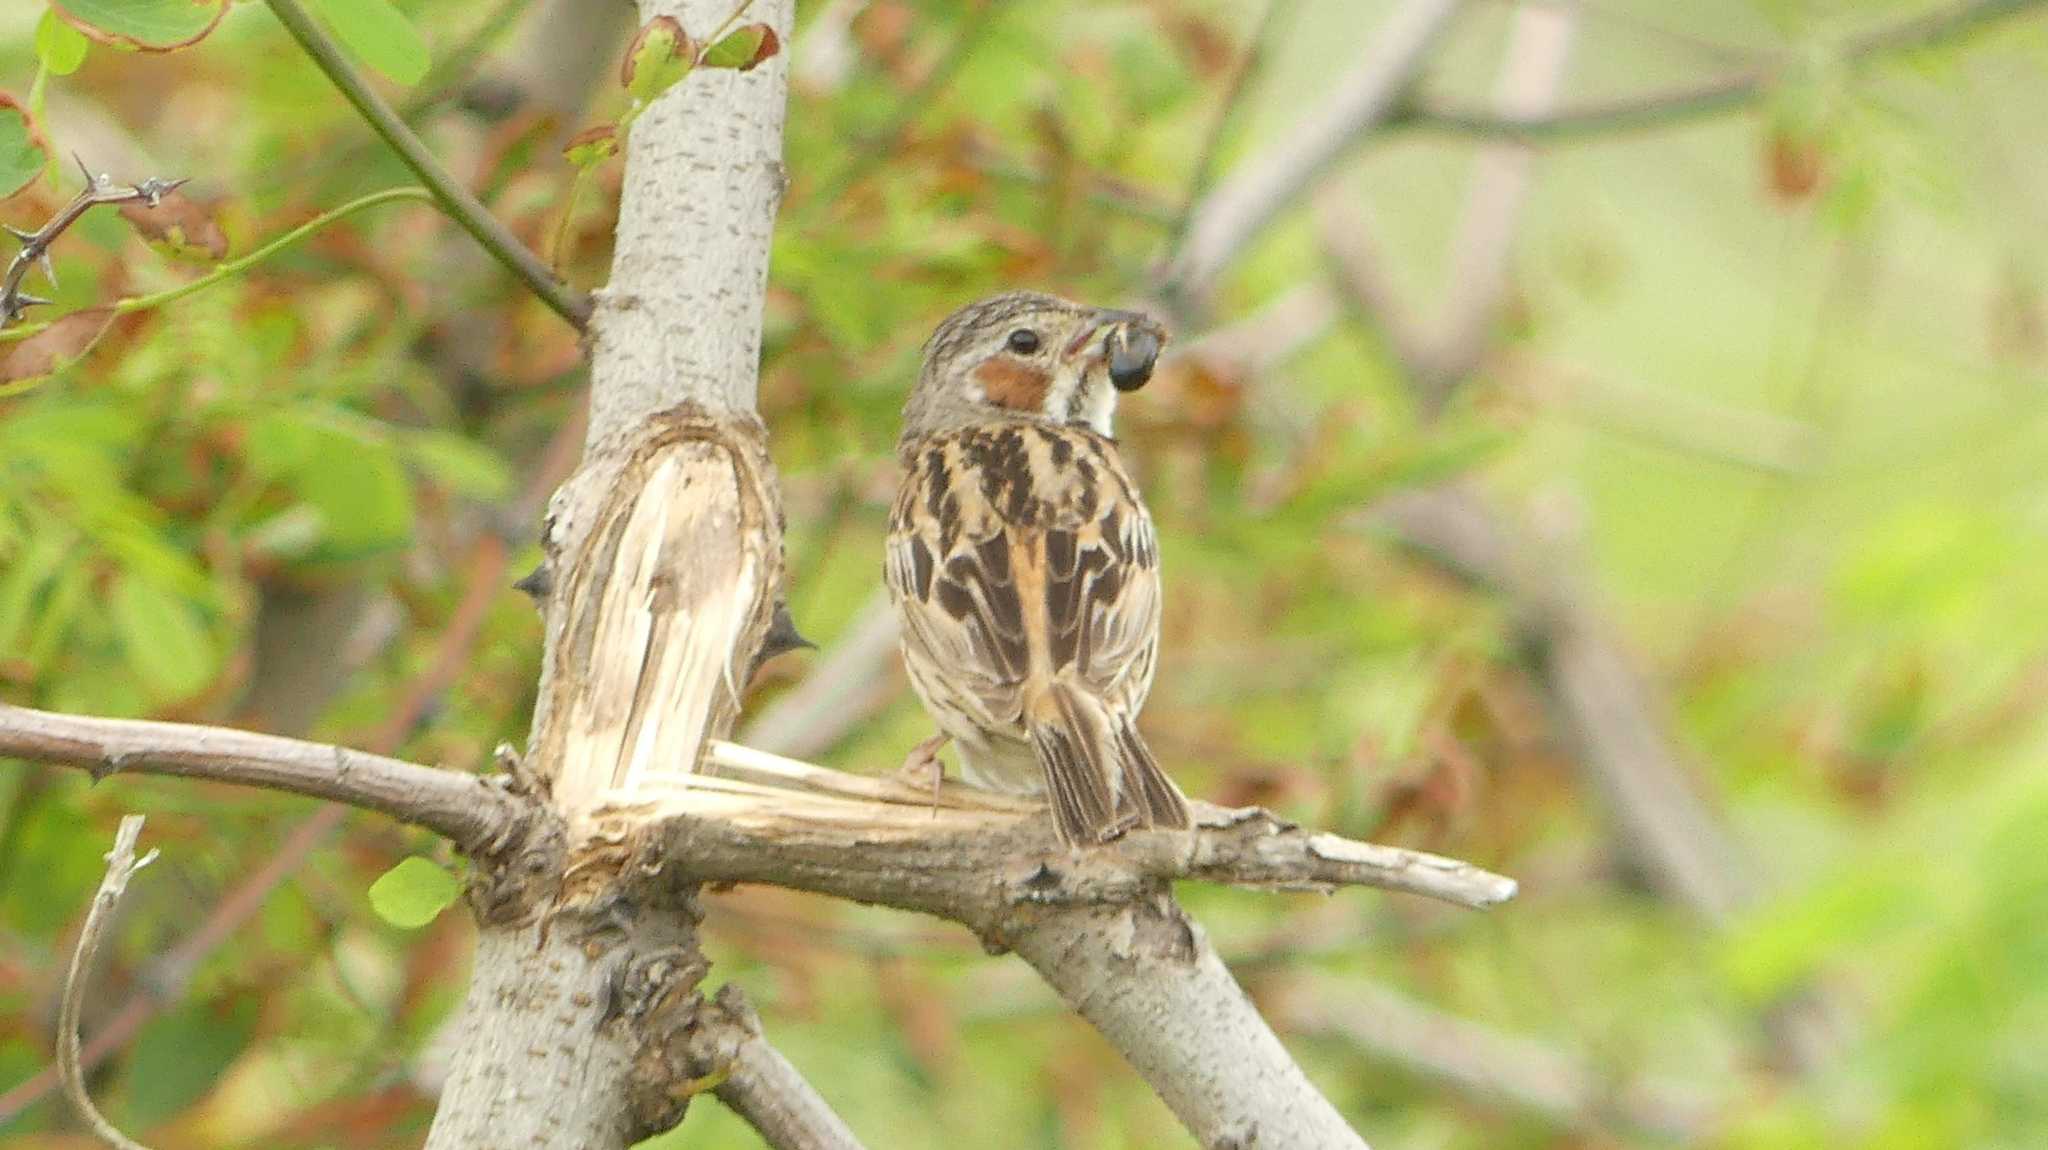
{"x":1022,"y":562}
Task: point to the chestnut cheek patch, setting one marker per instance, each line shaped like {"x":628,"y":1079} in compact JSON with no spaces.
{"x":1017,"y":386}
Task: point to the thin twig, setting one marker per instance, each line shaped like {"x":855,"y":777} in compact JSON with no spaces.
{"x":121,"y":865}
{"x":455,"y":199}
{"x":462,"y":807}
{"x":1942,"y":26}
{"x":238,"y":265}
{"x":1271,"y":18}
{"x":1486,"y":1063}
{"x":1259,"y":188}
{"x":35,"y":245}
{"x":1438,"y":358}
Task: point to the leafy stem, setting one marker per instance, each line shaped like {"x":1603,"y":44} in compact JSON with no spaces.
{"x":236,"y":266}
{"x":456,"y":200}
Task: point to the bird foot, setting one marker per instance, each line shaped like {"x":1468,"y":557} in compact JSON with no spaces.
{"x":922,"y":767}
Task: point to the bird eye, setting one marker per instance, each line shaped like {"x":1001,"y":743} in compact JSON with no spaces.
{"x":1023,"y":341}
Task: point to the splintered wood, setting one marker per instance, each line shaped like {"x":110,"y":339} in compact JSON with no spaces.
{"x":667,"y":596}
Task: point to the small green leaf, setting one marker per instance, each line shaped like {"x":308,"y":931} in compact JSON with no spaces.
{"x":161,"y":635}
{"x":461,"y":465}
{"x":23,"y":152}
{"x":744,"y":48}
{"x":660,"y":55}
{"x":592,"y":146}
{"x":60,"y":46}
{"x":150,"y":25}
{"x":413,"y":893}
{"x":380,"y":35}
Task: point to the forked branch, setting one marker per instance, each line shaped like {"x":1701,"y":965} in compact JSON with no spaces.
{"x":1100,"y":926}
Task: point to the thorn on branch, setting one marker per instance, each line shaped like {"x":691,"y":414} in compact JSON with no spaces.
{"x":782,"y":634}
{"x":35,"y":245}
{"x":537,"y":584}
{"x":114,"y":763}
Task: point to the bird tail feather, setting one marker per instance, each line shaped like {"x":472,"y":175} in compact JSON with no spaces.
{"x":1100,"y":775}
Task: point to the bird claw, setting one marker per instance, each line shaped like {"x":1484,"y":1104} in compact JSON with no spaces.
{"x":922,"y":767}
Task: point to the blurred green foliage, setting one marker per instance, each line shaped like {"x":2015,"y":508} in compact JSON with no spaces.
{"x":1774,"y":380}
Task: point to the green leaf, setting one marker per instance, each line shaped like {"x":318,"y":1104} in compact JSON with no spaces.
{"x":592,"y":146}
{"x":460,"y":465}
{"x":60,"y":46}
{"x":413,"y":893}
{"x":148,"y":25}
{"x":660,"y":55}
{"x":25,"y":575}
{"x":380,"y":35}
{"x":344,"y":468}
{"x":181,"y":1054}
{"x":744,"y":49}
{"x":23,"y":151}
{"x":167,"y":648}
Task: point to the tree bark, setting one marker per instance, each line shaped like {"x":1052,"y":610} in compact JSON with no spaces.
{"x":663,"y":558}
{"x":1145,"y":976}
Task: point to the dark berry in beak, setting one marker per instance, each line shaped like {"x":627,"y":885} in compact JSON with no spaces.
{"x":1132,"y":353}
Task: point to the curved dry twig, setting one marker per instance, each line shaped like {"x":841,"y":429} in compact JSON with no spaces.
{"x":121,"y":866}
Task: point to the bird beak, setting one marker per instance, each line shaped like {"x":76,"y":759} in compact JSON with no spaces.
{"x":1132,"y":346}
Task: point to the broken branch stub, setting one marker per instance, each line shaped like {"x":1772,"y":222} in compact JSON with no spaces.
{"x":665,"y":572}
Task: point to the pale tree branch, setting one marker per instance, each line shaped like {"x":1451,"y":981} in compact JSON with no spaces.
{"x":1488,"y":1064}
{"x":1099,"y":925}
{"x":464,"y":808}
{"x":1259,"y":188}
{"x":1539,"y":48}
{"x":121,"y":866}
{"x":758,"y":1083}
{"x":1439,"y":357}
{"x":663,"y":562}
{"x":766,"y":818}
{"x":1945,"y":25}
{"x":1257,"y":45}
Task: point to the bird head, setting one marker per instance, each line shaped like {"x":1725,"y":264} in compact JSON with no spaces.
{"x":1025,"y":355}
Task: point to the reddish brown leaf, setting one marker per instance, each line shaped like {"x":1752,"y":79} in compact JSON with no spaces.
{"x":180,"y":227}
{"x":64,"y":340}
{"x":1795,"y":165}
